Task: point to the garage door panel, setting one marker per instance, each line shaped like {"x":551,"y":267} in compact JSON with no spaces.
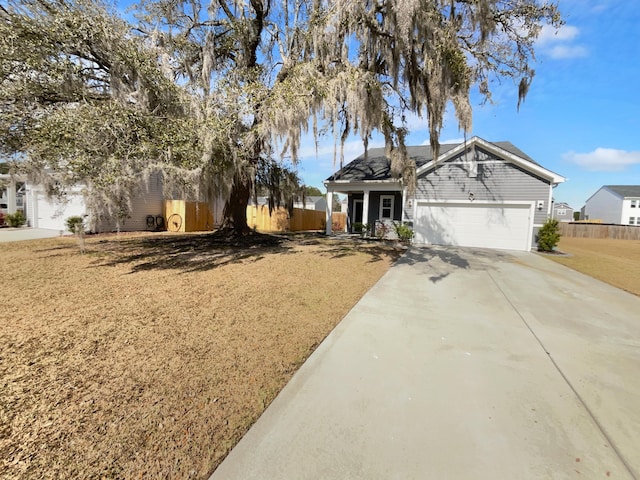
{"x":474,"y":225}
{"x":52,"y":213}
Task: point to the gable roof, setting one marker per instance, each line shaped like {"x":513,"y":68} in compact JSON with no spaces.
{"x":562,"y":205}
{"x":625,"y":191}
{"x":377,"y":167}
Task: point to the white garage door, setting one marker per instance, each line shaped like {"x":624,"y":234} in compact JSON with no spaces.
{"x":502,"y":226}
{"x":52,"y":214}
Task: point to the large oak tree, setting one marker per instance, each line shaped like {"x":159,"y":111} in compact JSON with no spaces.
{"x":215,"y":94}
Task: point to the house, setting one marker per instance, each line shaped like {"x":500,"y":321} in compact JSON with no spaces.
{"x":562,"y":212}
{"x":476,"y":194}
{"x":619,"y":204}
{"x":12,"y":198}
{"x":312,"y":202}
{"x":147,"y":209}
{"x":51,"y":212}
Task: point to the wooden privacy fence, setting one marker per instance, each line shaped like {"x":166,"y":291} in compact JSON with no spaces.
{"x":184,"y":216}
{"x":598,"y":230}
{"x":279,"y":220}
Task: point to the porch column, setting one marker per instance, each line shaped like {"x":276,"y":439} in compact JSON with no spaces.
{"x":365,"y":207}
{"x":329,"y":220}
{"x":11,"y":196}
{"x":403,"y":217}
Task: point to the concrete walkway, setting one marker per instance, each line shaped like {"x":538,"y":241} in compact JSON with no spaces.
{"x":462,"y":364}
{"x":25,"y":233}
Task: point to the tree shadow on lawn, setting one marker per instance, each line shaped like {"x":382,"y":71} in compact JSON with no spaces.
{"x":202,"y":252}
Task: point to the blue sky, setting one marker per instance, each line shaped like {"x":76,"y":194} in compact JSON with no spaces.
{"x":581,"y":118}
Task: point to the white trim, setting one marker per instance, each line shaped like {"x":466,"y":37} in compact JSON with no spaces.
{"x":381,"y":207}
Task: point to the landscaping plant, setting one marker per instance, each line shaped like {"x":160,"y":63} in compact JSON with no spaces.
{"x":404,"y":232}
{"x":548,"y":235}
{"x":16,"y":219}
{"x":75,"y":225}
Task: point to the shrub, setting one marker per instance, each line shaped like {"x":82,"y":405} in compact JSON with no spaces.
{"x":74,"y":224}
{"x":1,"y":218}
{"x":381,"y":230}
{"x":404,"y":231}
{"x":16,"y":219}
{"x":548,"y":235}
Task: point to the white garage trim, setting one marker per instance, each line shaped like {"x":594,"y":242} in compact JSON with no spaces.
{"x":465,"y":223}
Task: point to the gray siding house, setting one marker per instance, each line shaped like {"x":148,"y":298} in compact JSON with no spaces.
{"x":562,"y":212}
{"x":475,"y":194}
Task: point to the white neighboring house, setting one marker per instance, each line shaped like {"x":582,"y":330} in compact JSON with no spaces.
{"x":618,"y":204}
{"x":51,"y":213}
{"x":12,"y":197}
{"x":312,"y":202}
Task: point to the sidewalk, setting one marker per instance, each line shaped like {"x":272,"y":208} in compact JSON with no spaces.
{"x":8,"y":234}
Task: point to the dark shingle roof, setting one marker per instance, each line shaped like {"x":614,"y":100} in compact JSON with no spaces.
{"x":378,"y":167}
{"x":625,"y":190}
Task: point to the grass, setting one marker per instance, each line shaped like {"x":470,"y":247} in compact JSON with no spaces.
{"x":616,"y":262}
{"x":151,"y":355}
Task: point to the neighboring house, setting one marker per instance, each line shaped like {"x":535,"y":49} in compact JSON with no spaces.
{"x":12,"y":196}
{"x":475,"y":194}
{"x":312,"y":202}
{"x":51,"y":213}
{"x":562,"y":212}
{"x":619,"y":204}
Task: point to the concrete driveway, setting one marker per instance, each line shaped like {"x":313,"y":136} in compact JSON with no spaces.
{"x":18,"y":234}
{"x":462,"y":364}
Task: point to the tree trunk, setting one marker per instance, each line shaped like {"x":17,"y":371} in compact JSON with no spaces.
{"x":235,"y":210}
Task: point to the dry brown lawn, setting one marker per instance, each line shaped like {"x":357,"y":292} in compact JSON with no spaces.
{"x":151,"y":355}
{"x":616,"y":262}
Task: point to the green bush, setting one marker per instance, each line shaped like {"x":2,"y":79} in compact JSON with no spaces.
{"x":381,"y":229}
{"x":548,"y":235}
{"x":75,"y":224}
{"x":404,"y":231}
{"x":16,"y":219}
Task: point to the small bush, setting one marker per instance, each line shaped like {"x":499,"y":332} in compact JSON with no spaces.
{"x":16,"y":219}
{"x":75,"y":224}
{"x":404,"y":232}
{"x":381,"y":229}
{"x":548,"y":235}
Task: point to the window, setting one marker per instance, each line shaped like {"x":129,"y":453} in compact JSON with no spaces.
{"x":634,"y":203}
{"x":561,"y":212}
{"x":386,"y":207}
{"x":632,"y":221}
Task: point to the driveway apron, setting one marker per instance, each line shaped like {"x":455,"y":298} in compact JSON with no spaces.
{"x":462,"y":364}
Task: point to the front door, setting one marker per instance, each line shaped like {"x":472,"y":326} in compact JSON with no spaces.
{"x":357,"y":211}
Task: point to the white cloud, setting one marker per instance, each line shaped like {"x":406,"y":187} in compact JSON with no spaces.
{"x":604,"y":159}
{"x":567,"y":51}
{"x":326,"y":146}
{"x":447,"y":140}
{"x":558,"y":43}
{"x":550,"y":34}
